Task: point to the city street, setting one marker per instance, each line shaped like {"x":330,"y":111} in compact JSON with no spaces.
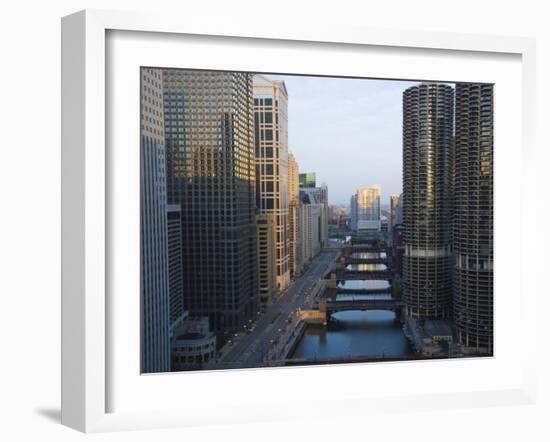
{"x":248,"y":350}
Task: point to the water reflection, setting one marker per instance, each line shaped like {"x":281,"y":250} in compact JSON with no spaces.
{"x":366,"y":267}
{"x":355,"y":334}
{"x":362,"y":284}
{"x":362,"y":297}
{"x":369,"y":255}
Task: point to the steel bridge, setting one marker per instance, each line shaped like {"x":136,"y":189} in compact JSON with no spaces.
{"x":364,"y":248}
{"x":364,"y":275}
{"x":393,"y":305}
{"x":350,"y":260}
{"x":340,"y":291}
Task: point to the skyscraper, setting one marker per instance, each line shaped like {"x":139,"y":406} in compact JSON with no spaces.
{"x":311,"y":230}
{"x":320,"y":194}
{"x":272,"y":197}
{"x":155,"y":321}
{"x":175,"y":265}
{"x":473,"y":217}
{"x":353,"y":212}
{"x":368,"y":208}
{"x":427,"y":138}
{"x":209,"y":123}
{"x":294,"y":208}
{"x":307,"y":179}
{"x":394,"y":202}
{"x":267,"y":258}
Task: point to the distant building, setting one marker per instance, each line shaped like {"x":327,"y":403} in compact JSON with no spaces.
{"x":394,"y":202}
{"x":308,"y":179}
{"x":397,"y":244}
{"x":368,"y":208}
{"x":155,"y":301}
{"x":384,"y":224}
{"x":353,"y":212}
{"x":399,"y":210}
{"x":272,"y":193}
{"x":318,"y":196}
{"x":294,"y":209}
{"x":311,"y":231}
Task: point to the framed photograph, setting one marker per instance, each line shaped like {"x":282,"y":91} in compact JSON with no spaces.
{"x":258,"y":224}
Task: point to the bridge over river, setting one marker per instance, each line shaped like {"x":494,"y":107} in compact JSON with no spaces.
{"x":359,"y":304}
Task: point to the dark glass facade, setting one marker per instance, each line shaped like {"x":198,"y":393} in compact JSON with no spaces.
{"x":209,"y":127}
{"x":175,"y":264}
{"x":154,"y":294}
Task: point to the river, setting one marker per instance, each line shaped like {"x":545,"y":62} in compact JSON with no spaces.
{"x":356,"y":333}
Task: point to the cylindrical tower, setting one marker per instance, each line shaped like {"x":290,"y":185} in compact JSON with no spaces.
{"x":427,"y":140}
{"x":473,"y":217}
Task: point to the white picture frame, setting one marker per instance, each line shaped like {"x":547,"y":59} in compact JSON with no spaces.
{"x":86,"y":352}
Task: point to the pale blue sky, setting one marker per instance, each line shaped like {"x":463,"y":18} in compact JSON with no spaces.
{"x":348,"y":131}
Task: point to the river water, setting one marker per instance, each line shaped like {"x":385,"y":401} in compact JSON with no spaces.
{"x":355,"y":333}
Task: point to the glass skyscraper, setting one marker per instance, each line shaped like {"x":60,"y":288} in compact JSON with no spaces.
{"x":368,"y":208}
{"x":272,"y":196}
{"x":154,"y":292}
{"x":209,"y":124}
{"x":307,"y":179}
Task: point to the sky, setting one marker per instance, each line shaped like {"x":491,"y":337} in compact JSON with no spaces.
{"x":348,"y":131}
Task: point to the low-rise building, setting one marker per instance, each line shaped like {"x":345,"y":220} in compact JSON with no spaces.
{"x":193,"y":345}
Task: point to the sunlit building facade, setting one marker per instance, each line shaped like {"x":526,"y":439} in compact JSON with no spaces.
{"x":311,"y":231}
{"x":307,"y":179}
{"x":473,"y":217}
{"x":209,"y":125}
{"x":293,"y":212}
{"x":271,"y":152}
{"x":427,"y":151}
{"x":368,"y":208}
{"x":394,"y":203}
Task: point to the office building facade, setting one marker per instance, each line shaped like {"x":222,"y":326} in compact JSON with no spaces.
{"x":368,"y":208}
{"x":154,"y":291}
{"x":175,"y":265}
{"x":209,"y":125}
{"x":353,"y":212}
{"x":308,"y":179}
{"x":427,"y":151}
{"x":294,"y":208}
{"x":271,"y":153}
{"x":311,"y":231}
{"x":394,"y":203}
{"x":266,"y":255}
